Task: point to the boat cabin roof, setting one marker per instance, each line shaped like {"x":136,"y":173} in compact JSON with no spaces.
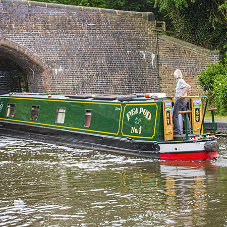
{"x":90,"y":97}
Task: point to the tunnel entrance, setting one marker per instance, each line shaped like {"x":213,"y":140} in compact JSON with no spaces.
{"x":13,"y":78}
{"x":20,"y":69}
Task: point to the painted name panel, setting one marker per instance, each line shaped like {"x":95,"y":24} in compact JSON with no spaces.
{"x":140,"y":120}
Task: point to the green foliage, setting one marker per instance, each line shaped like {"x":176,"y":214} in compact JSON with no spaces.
{"x":220,"y":93}
{"x":166,"y":4}
{"x":213,"y":80}
{"x":127,"y":5}
{"x":201,"y":22}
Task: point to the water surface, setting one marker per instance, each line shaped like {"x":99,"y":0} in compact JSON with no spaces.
{"x":63,"y":186}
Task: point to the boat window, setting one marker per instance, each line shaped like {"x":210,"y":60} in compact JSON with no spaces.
{"x":10,"y":110}
{"x":60,"y":116}
{"x":87,"y":120}
{"x":34,"y":113}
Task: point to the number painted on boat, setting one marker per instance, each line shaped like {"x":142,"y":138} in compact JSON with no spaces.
{"x":136,"y":130}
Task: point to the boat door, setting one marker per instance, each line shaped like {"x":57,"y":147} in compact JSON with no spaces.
{"x":168,"y":120}
{"x":197,"y":115}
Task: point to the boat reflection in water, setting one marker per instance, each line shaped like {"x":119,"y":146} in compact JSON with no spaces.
{"x":186,"y":188}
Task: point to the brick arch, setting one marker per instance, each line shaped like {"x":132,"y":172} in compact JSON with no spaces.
{"x":32,"y":65}
{"x":74,"y":49}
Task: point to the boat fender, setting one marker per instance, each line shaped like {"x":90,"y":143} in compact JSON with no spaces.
{"x":211,"y":146}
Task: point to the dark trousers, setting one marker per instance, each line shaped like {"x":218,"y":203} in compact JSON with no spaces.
{"x":179,"y":105}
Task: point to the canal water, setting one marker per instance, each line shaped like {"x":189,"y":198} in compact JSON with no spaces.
{"x":43,"y":184}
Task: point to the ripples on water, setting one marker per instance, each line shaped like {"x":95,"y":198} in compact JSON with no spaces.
{"x":64,"y":186}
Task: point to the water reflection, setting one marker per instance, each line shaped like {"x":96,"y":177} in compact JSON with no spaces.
{"x":64,"y":186}
{"x":185,"y":190}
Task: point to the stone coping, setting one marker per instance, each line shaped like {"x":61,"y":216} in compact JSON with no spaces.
{"x":188,"y":45}
{"x":149,"y":16}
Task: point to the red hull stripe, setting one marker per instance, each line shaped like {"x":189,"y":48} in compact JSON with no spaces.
{"x":189,"y":156}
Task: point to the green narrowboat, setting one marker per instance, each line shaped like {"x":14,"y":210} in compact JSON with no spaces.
{"x":138,"y":124}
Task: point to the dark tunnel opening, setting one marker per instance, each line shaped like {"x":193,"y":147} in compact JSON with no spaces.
{"x":20,"y":69}
{"x":13,"y":78}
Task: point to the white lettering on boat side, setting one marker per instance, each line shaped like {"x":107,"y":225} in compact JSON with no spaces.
{"x":141,"y":110}
{"x":138,"y":111}
{"x":136,"y":130}
{"x":132,"y":112}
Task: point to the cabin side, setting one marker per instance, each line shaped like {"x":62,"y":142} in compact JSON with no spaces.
{"x":63,"y":114}
{"x":138,"y":120}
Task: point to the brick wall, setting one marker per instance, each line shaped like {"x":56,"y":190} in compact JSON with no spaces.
{"x":191,"y":60}
{"x":70,"y":49}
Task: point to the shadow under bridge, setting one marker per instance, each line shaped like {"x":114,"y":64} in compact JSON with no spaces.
{"x":20,"y":70}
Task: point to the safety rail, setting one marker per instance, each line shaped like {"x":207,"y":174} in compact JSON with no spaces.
{"x":202,"y":128}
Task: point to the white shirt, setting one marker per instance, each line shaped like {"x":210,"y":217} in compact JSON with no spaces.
{"x":181,"y":85}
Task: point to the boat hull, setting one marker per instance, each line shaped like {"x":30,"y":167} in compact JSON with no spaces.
{"x":173,"y":150}
{"x":192,"y":156}
{"x":189,"y":150}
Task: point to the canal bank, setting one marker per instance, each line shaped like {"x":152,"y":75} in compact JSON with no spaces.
{"x":220,"y":126}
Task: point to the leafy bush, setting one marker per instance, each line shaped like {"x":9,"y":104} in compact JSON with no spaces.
{"x":213,"y":80}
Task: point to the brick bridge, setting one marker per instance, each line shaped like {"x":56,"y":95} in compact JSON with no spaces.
{"x":69,"y":49}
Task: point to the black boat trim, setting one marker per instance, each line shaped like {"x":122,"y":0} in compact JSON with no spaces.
{"x":187,"y":141}
{"x":80,"y":139}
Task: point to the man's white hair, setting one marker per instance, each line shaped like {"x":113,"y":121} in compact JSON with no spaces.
{"x":178,"y":74}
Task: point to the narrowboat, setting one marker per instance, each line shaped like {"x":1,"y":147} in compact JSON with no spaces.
{"x":137,"y":124}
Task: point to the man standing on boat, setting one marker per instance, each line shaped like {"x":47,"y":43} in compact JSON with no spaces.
{"x":180,"y":104}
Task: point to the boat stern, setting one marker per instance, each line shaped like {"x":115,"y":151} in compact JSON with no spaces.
{"x":189,"y":150}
